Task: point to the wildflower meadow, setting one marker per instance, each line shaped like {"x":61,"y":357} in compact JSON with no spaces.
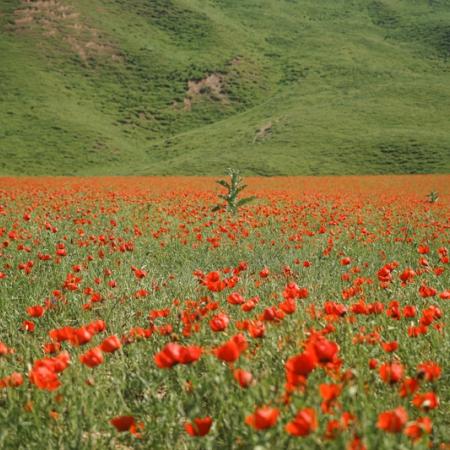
{"x":135,"y":314}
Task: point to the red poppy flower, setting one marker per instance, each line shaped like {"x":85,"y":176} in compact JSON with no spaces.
{"x":14,"y":380}
{"x":263,"y":418}
{"x":97,"y":326}
{"x":235,"y":299}
{"x":409,"y":311}
{"x":325,"y":350}
{"x":240,"y":341}
{"x":257,"y":329}
{"x":44,"y":378}
{"x":93,"y":357}
{"x":248,"y":305}
{"x":29,"y":326}
{"x":299,"y":367}
{"x":35,"y":311}
{"x":127,"y":423}
{"x":110,"y":344}
{"x":335,"y":309}
{"x":199,"y":426}
{"x":174,"y":353}
{"x":80,"y":336}
{"x":391,"y":372}
{"x":219,"y":322}
{"x":408,"y":387}
{"x":190,"y":354}
{"x":243,"y":377}
{"x":423,"y":249}
{"x":228,"y":352}
{"x":122,"y":423}
{"x":139,"y":274}
{"x":333,"y":428}
{"x":426,"y":401}
{"x":214,"y":283}
{"x":427,"y":291}
{"x":416,"y":429}
{"x":52,"y":347}
{"x":168,"y":356}
{"x":429,"y":370}
{"x":5,"y":350}
{"x":407,"y":275}
{"x":330,"y":392}
{"x":288,"y":306}
{"x":393,"y":421}
{"x":356,"y":444}
{"x":156,"y":313}
{"x":390,"y":347}
{"x":304,"y":423}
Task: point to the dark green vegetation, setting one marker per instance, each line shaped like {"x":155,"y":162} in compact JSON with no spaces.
{"x":290,"y":86}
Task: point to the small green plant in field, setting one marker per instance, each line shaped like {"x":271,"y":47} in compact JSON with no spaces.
{"x":234,"y":187}
{"x":433,"y":197}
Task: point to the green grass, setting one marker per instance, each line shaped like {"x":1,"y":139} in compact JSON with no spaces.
{"x":348,"y":87}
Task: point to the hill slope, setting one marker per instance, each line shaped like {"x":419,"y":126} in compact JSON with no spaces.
{"x":193,"y":86}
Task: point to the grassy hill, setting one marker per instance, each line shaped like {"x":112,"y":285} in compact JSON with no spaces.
{"x":90,"y":87}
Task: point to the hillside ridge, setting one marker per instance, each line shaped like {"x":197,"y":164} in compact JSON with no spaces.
{"x":190,"y":87}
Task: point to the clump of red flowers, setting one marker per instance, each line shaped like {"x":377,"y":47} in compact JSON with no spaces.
{"x":173,"y":354}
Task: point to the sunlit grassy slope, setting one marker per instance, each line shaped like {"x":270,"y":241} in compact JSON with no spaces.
{"x":292,"y":86}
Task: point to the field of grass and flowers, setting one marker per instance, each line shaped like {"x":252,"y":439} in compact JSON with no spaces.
{"x":133,"y":316}
{"x":161,"y":87}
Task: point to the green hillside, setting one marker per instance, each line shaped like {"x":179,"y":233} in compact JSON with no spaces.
{"x":101,"y":87}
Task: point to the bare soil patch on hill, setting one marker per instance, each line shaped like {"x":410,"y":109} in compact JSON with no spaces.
{"x":55,"y":19}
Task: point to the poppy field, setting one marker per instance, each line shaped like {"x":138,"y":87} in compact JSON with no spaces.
{"x":134,"y":316}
